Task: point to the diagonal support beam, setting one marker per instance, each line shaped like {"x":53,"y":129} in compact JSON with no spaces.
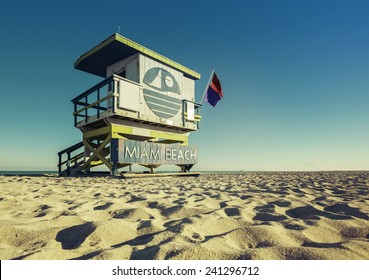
{"x":96,"y":153}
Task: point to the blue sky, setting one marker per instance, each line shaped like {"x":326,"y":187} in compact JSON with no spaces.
{"x":295,"y":76}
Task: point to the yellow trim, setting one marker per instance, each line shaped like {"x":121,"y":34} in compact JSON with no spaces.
{"x":120,"y":129}
{"x":96,"y":132}
{"x":96,"y":163}
{"x":116,"y":130}
{"x":197,"y":117}
{"x":156,"y":56}
{"x":169,"y":136}
{"x":141,"y":49}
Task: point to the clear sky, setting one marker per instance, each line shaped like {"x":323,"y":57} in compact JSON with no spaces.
{"x":295,"y":77}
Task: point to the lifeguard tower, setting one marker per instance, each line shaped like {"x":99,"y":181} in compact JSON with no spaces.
{"x":142,"y":112}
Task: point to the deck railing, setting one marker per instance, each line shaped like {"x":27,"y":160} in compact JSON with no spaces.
{"x":74,"y":158}
{"x":196,"y":117}
{"x":104,"y":97}
{"x":95,"y":100}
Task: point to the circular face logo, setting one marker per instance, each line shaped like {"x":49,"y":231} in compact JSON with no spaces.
{"x":160,"y":82}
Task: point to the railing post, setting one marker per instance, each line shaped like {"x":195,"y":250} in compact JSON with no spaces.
{"x":68,"y":164}
{"x":112,"y":86}
{"x":75,"y":116}
{"x":183,"y":112}
{"x":86,"y":109}
{"x":59,"y":165}
{"x":198,"y":113}
{"x":98,"y":104}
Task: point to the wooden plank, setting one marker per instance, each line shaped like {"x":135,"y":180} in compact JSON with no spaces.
{"x":147,"y":175}
{"x":96,"y":132}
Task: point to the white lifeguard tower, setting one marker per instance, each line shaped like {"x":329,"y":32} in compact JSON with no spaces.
{"x":142,"y":112}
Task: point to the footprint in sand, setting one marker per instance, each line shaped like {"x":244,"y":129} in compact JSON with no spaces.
{"x":264,"y":244}
{"x":167,"y":212}
{"x":73,"y":237}
{"x":281,"y":203}
{"x":269,"y":208}
{"x":197,"y":237}
{"x":338,"y":191}
{"x":177,"y":226}
{"x":293,"y":226}
{"x":343,"y":208}
{"x":103,"y":206}
{"x":267,"y":217}
{"x":265,"y":213}
{"x":355,"y":232}
{"x":135,"y":198}
{"x":322,"y":245}
{"x":311,"y":213}
{"x":40,"y":211}
{"x":144,"y":224}
{"x":232,"y":211}
{"x":134,"y":214}
{"x":223,"y":204}
{"x":152,"y":204}
{"x":298,"y":191}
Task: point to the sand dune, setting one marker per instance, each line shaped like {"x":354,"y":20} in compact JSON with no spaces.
{"x":281,"y":215}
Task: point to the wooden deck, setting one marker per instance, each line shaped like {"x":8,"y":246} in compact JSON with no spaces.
{"x":147,"y":175}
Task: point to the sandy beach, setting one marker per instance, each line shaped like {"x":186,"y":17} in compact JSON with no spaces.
{"x":261,"y":215}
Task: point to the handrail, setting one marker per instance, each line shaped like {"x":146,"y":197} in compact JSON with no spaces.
{"x":92,"y":89}
{"x":106,"y":89}
{"x":70,"y":159}
{"x":95,"y":107}
{"x":93,"y":104}
{"x":193,"y":102}
{"x":71,"y":148}
{"x":197,"y":117}
{"x":75,"y":158}
{"x":88,"y":106}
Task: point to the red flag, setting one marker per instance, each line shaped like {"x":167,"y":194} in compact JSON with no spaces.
{"x":214,"y":92}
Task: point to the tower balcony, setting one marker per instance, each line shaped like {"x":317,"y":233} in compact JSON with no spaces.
{"x":122,"y":99}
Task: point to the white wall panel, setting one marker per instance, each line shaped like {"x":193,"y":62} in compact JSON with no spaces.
{"x":159,"y":98}
{"x":130,"y":65}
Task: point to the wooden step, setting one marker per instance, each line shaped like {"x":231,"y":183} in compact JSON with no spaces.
{"x":147,"y":175}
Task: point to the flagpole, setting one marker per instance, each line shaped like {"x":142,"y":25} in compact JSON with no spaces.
{"x":211,"y":77}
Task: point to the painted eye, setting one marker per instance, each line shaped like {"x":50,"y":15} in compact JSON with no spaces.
{"x":168,"y":81}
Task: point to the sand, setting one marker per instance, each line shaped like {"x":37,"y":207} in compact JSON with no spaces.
{"x":261,"y":215}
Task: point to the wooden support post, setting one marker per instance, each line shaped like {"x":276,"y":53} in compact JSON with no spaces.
{"x":98,"y":104}
{"x":96,"y":153}
{"x":86,"y":110}
{"x":75,"y":116}
{"x":68,"y":164}
{"x":59,"y":165}
{"x":114,"y":156}
{"x":114,"y":169}
{"x":185,"y":167}
{"x":87,"y":153}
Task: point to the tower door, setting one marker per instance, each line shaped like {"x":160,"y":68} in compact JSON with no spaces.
{"x":129,"y":96}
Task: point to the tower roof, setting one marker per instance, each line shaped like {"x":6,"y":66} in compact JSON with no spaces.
{"x":116,"y":48}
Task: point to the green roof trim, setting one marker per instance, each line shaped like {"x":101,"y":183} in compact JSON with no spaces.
{"x":116,"y":48}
